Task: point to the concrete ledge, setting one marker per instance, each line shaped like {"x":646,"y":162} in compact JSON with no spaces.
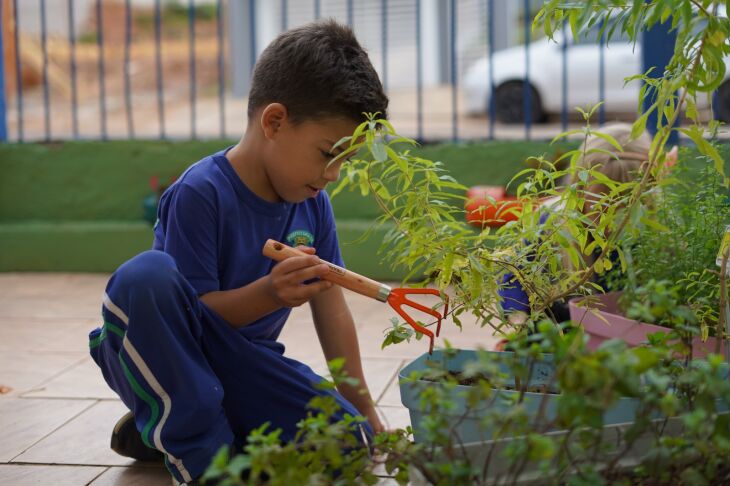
{"x":101,"y":246}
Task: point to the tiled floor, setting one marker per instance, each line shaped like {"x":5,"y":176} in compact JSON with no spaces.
{"x":57,"y":415}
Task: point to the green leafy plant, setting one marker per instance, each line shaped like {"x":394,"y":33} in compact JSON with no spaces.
{"x":677,"y":255}
{"x":680,"y":427}
{"x":555,"y":254}
{"x":323,"y":449}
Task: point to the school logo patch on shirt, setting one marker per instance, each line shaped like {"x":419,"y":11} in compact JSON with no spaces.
{"x":300,"y":237}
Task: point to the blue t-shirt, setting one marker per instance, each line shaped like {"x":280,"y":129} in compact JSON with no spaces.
{"x":215,"y":228}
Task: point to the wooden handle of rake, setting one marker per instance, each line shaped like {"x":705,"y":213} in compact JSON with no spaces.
{"x":341,"y":276}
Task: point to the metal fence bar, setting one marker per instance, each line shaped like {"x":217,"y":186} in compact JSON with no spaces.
{"x":3,"y":105}
{"x":252,"y":30}
{"x":318,"y":9}
{"x":102,"y":83}
{"x":193,"y":81}
{"x":72,"y":68}
{"x":384,"y":40}
{"x":564,"y":81}
{"x":527,"y":95}
{"x":127,"y":62}
{"x":221,"y":69}
{"x":350,"y":14}
{"x":490,"y":54}
{"x":158,"y":68}
{"x":602,"y":79}
{"x":18,"y":71}
{"x":46,"y":93}
{"x":419,"y":74}
{"x":284,"y":17}
{"x":454,"y":81}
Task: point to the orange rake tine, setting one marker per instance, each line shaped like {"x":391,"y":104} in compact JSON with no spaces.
{"x":415,"y":325}
{"x":397,"y":299}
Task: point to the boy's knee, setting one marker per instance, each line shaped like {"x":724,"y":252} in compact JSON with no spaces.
{"x":151,"y":270}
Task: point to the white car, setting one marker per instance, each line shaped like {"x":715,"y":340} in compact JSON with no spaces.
{"x":622,"y":59}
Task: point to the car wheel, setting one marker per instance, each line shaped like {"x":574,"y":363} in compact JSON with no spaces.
{"x":509,"y":103}
{"x":722,"y":107}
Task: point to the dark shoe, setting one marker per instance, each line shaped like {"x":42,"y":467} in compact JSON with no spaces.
{"x":127,"y":441}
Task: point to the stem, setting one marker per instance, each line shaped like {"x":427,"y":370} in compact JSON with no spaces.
{"x":721,"y":322}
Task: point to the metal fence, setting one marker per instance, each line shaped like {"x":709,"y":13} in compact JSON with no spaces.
{"x":153,"y":69}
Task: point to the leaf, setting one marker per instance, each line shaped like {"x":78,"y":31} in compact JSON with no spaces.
{"x":608,"y":138}
{"x":379,"y":152}
{"x":652,"y":223}
{"x":639,"y":126}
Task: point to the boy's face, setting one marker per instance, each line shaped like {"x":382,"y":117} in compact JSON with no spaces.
{"x":297,"y":156}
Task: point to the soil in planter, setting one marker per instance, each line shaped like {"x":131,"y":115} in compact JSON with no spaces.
{"x":476,"y":379}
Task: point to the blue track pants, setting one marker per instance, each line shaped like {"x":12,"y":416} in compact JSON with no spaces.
{"x":192,"y":381}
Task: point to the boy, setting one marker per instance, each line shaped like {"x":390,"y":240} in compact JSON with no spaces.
{"x":190,"y":328}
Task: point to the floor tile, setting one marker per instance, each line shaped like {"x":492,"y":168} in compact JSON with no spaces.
{"x":134,"y":476}
{"x":69,"y":295}
{"x":391,"y":395}
{"x":84,"y":440}
{"x":379,"y":372}
{"x":395,"y":417}
{"x":83,"y":380}
{"x":22,"y":370}
{"x":26,"y":475}
{"x":52,"y":335}
{"x":24,"y":422}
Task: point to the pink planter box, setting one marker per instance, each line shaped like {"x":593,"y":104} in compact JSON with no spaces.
{"x":617,"y":326}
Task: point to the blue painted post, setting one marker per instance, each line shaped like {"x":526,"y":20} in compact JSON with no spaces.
{"x":419,"y":74}
{"x":3,"y":105}
{"x":656,"y":51}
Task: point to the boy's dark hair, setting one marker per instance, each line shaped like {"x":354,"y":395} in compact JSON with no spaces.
{"x":317,"y":70}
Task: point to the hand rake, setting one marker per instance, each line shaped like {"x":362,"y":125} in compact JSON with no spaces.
{"x":397,"y":298}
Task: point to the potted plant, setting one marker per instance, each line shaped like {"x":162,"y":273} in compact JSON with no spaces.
{"x":617,"y":408}
{"x":671,"y":283}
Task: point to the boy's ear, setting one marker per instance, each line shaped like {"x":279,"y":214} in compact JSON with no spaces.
{"x":273,"y":117}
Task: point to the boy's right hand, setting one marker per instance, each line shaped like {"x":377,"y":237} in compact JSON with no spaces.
{"x":286,"y":280}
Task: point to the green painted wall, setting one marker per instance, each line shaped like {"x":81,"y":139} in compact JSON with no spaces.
{"x":77,"y":206}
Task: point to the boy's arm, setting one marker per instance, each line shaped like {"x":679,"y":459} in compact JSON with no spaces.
{"x":280,"y":288}
{"x":336,"y":331}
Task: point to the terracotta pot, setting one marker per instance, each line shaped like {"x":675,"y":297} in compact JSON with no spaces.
{"x":604,"y":321}
{"x":481,"y":211}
